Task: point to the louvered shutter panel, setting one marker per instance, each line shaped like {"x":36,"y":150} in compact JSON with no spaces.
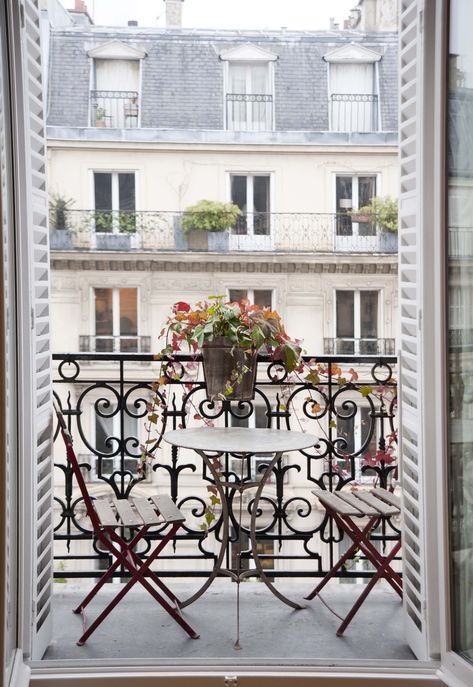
{"x":35,"y":420}
{"x":411,"y":335}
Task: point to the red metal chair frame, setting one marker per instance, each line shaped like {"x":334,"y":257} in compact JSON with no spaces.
{"x":342,"y":506}
{"x":104,"y":523}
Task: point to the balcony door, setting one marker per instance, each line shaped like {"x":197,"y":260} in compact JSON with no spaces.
{"x":115,"y":206}
{"x":249,"y":98}
{"x":353,"y":101}
{"x":114,"y":102}
{"x":252,"y":194}
{"x":116,"y":320}
{"x":356,"y":322}
{"x":353,"y":232}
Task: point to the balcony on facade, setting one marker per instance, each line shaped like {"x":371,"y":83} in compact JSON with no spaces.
{"x":297,"y":542}
{"x":114,"y":109}
{"x":249,"y":111}
{"x":114,"y":344}
{"x":361,"y":346}
{"x":291,"y":232}
{"x":354,"y":112}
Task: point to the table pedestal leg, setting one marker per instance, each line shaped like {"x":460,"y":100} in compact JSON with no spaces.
{"x":294,"y":604}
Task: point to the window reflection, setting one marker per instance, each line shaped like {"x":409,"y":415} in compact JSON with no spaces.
{"x":460,"y":321}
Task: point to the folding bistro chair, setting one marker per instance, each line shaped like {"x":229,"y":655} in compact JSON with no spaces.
{"x":375,"y":505}
{"x":138,"y":515}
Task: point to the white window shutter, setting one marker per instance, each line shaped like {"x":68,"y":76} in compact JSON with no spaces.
{"x":412,"y":406}
{"x":34,"y":378}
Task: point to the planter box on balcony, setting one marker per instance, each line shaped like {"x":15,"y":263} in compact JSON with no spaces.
{"x":197,"y":239}
{"x":113,"y":241}
{"x":60,"y":239}
{"x":218,"y":240}
{"x":388,"y":241}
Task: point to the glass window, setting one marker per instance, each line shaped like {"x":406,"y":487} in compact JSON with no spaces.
{"x":114,"y":201}
{"x":251,"y":192}
{"x":460,"y":298}
{"x":352,"y":192}
{"x":249,"y":98}
{"x":354,"y":105}
{"x":260,"y":297}
{"x":116,"y":320}
{"x":356,"y":321}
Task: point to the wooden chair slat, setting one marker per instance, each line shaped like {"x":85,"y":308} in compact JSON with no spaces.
{"x":337,"y":504}
{"x":380,"y":506}
{"x":105,"y":512}
{"x":387,"y":496}
{"x":167,"y":508}
{"x":128,"y":516}
{"x":351,"y":497}
{"x":147,"y":511}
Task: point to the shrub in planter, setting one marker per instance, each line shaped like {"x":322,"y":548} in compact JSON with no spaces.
{"x":210,"y":215}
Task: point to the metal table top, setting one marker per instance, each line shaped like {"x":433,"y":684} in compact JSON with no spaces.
{"x":240,"y":439}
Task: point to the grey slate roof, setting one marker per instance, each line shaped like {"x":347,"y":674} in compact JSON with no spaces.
{"x":182,"y":75}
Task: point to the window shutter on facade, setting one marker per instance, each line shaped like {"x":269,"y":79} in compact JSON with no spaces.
{"x":418,"y":575}
{"x":32,"y":255}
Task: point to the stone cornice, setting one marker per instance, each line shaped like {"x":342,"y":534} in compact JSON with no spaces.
{"x":251,"y":264}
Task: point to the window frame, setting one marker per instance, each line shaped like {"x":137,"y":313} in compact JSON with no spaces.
{"x":116,"y":337}
{"x":357,"y":314}
{"x":247,"y":62}
{"x":115,"y":196}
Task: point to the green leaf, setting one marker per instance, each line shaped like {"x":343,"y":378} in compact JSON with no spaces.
{"x":332,"y":424}
{"x":366,"y":391}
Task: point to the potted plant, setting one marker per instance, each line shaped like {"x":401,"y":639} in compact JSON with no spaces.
{"x":383,"y":212}
{"x":204,"y":224}
{"x":229,"y":335}
{"x":60,"y":235}
{"x":99,"y":116}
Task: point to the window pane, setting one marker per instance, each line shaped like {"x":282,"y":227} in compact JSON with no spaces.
{"x":261,"y":205}
{"x":239,"y":197}
{"x":345,"y":314}
{"x":369,"y":314}
{"x":343,"y":204}
{"x":263,"y":298}
{"x":459,"y":294}
{"x":126,"y":191}
{"x":128,"y":312}
{"x":237,"y":73}
{"x":103,"y":312}
{"x":103,"y":191}
{"x":237,"y":295}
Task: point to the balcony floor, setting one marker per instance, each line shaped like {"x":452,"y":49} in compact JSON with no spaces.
{"x":269,"y":630}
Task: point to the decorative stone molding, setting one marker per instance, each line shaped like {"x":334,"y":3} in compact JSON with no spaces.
{"x":153,"y":265}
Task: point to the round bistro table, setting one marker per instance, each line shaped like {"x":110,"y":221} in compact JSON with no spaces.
{"x":240,"y":442}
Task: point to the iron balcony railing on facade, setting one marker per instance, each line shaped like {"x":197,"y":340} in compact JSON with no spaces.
{"x":354,"y":112}
{"x":362,"y":346}
{"x":114,"y":109}
{"x":126,"y":343}
{"x":249,"y":111}
{"x":353,"y":414}
{"x":290,"y":232}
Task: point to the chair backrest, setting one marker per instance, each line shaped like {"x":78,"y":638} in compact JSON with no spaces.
{"x":72,"y":459}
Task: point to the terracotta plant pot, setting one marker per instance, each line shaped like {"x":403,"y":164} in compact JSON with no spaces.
{"x":220,"y":360}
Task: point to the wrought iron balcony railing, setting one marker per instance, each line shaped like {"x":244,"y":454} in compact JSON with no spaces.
{"x":114,"y":109}
{"x":354,"y":112}
{"x":291,"y":232}
{"x":115,"y":344}
{"x":249,"y":111}
{"x":364,"y":346}
{"x":354,"y":417}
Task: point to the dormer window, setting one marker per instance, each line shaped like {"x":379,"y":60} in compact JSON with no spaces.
{"x":249,"y":89}
{"x":115,"y":97}
{"x":353,"y":89}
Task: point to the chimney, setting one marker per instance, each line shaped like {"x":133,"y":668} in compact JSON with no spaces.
{"x":80,"y":6}
{"x":132,"y":22}
{"x":173,"y":14}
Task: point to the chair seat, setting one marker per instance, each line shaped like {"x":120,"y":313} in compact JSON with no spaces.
{"x":360,"y":503}
{"x":137,"y":511}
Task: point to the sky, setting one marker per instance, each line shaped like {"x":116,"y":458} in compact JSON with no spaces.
{"x":224,"y":14}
